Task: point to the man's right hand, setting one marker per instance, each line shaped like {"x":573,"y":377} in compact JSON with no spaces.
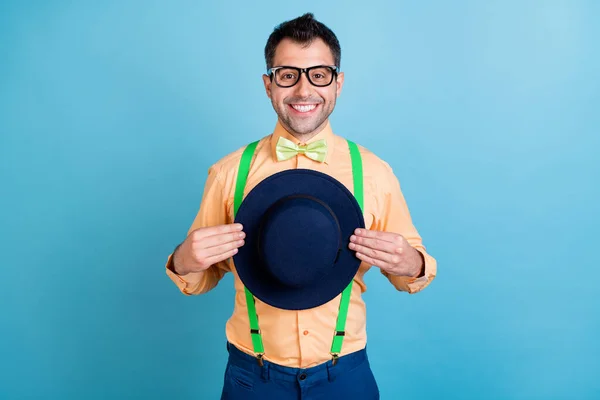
{"x":207,"y":246}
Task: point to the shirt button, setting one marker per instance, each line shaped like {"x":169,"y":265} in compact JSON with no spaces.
{"x":302,"y":377}
{"x":305,"y":333}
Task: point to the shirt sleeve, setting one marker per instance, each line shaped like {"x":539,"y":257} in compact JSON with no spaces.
{"x":395,"y":217}
{"x":213,"y":211}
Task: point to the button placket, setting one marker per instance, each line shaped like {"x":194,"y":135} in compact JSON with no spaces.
{"x":301,"y":337}
{"x":303,"y":161}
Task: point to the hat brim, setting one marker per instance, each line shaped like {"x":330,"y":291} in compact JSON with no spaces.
{"x":291,"y":182}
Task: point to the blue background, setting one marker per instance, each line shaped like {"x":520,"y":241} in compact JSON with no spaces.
{"x":111,"y":113}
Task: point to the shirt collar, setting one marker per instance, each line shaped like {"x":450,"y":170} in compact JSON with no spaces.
{"x":280,"y":131}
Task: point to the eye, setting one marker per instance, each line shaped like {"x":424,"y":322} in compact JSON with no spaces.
{"x":320,"y":75}
{"x":286,"y":76}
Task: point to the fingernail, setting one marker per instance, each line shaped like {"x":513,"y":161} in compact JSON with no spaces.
{"x":352,"y":246}
{"x":358,"y":231}
{"x":352,"y":238}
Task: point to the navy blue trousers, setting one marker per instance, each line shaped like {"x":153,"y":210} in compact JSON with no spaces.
{"x":351,"y":378}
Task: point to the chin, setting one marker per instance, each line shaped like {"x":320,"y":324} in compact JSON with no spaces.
{"x":305,"y":130}
{"x":307,"y":127}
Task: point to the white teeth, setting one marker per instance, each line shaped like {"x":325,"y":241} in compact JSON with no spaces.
{"x":303,"y":109}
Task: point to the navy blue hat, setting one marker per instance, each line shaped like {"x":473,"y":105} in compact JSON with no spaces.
{"x":298,"y":225}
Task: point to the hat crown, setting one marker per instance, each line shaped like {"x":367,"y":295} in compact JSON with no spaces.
{"x":298,"y":224}
{"x":299,"y":240}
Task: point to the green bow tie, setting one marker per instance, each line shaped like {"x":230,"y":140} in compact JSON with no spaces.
{"x":287,"y":149}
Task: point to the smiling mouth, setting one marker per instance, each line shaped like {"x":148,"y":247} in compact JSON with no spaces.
{"x":303,"y":108}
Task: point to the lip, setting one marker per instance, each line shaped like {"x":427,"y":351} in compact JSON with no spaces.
{"x":309,"y":113}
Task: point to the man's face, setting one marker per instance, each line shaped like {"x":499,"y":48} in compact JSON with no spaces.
{"x":303,"y":109}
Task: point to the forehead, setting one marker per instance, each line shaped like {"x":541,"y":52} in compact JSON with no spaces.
{"x":300,"y":55}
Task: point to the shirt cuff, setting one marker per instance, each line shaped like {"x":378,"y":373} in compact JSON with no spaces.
{"x":188,"y":283}
{"x":413,"y":285}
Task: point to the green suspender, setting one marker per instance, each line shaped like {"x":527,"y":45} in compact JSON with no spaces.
{"x":357,"y":175}
{"x":243,"y":171}
{"x":237,"y":201}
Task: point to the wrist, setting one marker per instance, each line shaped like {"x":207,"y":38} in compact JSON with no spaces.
{"x":420,"y":262}
{"x":175,"y":264}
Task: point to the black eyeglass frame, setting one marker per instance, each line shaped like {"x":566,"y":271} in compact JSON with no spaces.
{"x":271,"y":72}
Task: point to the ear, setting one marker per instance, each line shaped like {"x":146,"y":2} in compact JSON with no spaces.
{"x":267,"y":83}
{"x":339,"y":83}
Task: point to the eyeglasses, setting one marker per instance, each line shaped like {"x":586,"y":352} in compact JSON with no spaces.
{"x":319,"y":75}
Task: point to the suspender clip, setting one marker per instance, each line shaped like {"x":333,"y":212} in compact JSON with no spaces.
{"x":259,"y":359}
{"x":334,"y":359}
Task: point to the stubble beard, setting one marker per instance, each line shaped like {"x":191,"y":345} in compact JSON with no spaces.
{"x":304,"y":129}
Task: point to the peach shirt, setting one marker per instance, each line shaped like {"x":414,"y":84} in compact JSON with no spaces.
{"x":302,"y":339}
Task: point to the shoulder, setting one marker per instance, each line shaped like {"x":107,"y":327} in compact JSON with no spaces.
{"x":228,"y":165}
{"x":374,"y":166}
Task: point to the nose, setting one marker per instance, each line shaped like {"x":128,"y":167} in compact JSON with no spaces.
{"x":303,"y":86}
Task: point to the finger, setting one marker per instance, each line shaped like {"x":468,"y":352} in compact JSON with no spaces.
{"x":220,"y":239}
{"x":216,"y":230}
{"x":387,"y":236}
{"x":377,"y":244}
{"x":372,"y":261}
{"x":204,"y":252}
{"x":221,"y":257}
{"x":377,"y":255}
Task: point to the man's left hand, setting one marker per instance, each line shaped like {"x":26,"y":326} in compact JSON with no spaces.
{"x":388,"y":251}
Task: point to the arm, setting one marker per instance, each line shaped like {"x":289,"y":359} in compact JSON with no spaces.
{"x":190,"y":266}
{"x":396,"y":218}
{"x":393,"y":244}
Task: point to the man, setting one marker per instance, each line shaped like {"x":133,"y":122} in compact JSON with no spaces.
{"x":297,"y":343}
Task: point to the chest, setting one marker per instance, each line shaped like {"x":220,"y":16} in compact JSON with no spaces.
{"x":341,"y":170}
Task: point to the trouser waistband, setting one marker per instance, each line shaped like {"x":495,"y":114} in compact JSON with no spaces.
{"x":270,"y":370}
